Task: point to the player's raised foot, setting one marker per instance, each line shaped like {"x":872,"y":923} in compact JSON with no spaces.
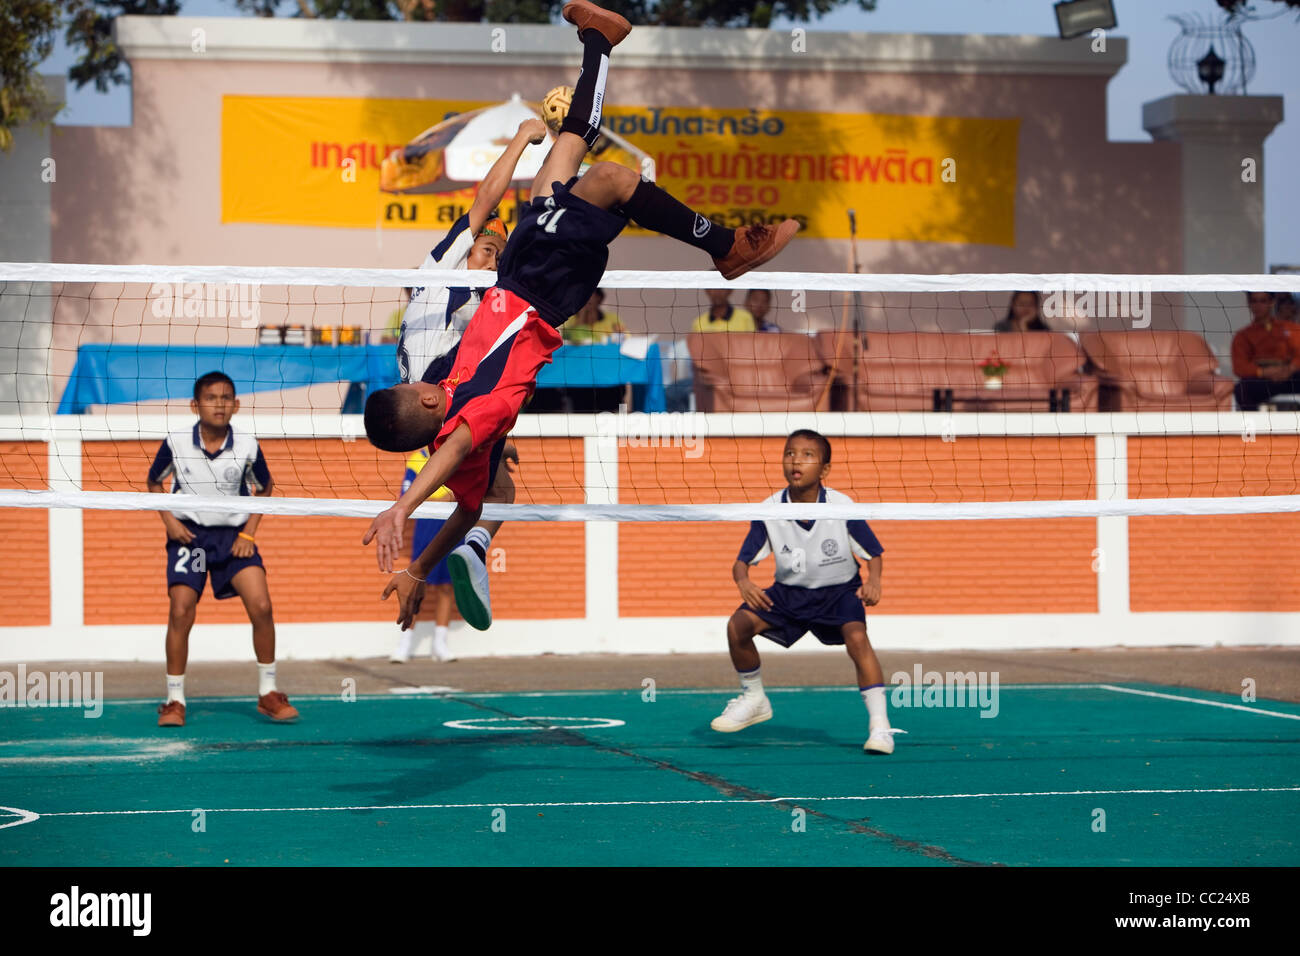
{"x":881,"y":741}
{"x":587,"y":16}
{"x":755,"y":245}
{"x":276,"y":706}
{"x":741,"y":712}
{"x":469,"y":581}
{"x":171,"y":714}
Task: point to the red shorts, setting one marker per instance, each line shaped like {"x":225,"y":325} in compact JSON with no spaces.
{"x":504,"y":346}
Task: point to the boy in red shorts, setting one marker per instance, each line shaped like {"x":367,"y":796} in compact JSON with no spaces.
{"x":552,"y":264}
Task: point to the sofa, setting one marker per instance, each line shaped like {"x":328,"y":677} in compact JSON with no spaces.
{"x":1150,"y":370}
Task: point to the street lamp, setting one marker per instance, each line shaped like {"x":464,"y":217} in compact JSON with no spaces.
{"x":1210,"y":69}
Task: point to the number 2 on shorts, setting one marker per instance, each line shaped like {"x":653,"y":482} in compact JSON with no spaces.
{"x":551,"y":218}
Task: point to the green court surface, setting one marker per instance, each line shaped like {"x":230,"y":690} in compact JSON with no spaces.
{"x":608,"y":778}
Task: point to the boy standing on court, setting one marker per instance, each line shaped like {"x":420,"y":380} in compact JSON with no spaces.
{"x":818,"y":588}
{"x":214,"y":459}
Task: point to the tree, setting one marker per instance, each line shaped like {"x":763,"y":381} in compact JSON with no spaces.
{"x":27,"y":29}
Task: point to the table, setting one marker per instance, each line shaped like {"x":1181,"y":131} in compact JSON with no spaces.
{"x":1058,"y":400}
{"x":115,"y":374}
{"x":576,"y":366}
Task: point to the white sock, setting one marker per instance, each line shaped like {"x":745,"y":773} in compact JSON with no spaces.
{"x":175,"y":688}
{"x":417,"y":634}
{"x":439,"y":634}
{"x":874,"y":697}
{"x":478,"y":535}
{"x":265,"y":678}
{"x":751,"y":684}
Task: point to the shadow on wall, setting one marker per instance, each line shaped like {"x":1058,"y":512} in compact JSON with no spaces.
{"x":124,"y":162}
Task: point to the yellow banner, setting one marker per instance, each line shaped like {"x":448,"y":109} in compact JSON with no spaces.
{"x":315,"y":161}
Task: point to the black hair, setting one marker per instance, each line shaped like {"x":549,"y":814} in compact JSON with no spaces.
{"x":1011,"y":306}
{"x":212,"y":378}
{"x":817,"y":437}
{"x":393,"y":422}
{"x":1272,"y":296}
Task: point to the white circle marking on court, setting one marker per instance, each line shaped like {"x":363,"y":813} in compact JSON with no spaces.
{"x":533,"y":723}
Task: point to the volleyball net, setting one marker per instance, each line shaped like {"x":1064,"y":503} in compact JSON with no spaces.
{"x":672,"y":398}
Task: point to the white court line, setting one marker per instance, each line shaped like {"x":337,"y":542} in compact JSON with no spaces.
{"x":667,"y":803}
{"x":414,"y":692}
{"x":1198,"y":700}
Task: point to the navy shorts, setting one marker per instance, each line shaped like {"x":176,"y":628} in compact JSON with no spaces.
{"x":557,"y":254}
{"x":208,"y":555}
{"x":426,"y":529}
{"x":824,"y":611}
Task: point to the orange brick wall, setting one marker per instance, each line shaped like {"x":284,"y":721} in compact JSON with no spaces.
{"x":1214,"y":563}
{"x":931,"y":567}
{"x":25,"y":571}
{"x":317,"y":568}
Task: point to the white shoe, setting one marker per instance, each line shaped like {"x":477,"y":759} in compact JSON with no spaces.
{"x":440,"y":652}
{"x":402,"y":652}
{"x":469,"y":580}
{"x":881,"y":740}
{"x":741,"y":712}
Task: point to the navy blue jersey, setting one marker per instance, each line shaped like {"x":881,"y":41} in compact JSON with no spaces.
{"x":557,"y":254}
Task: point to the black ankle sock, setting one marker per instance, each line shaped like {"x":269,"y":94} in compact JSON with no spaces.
{"x":652,"y":208}
{"x":478,"y":549}
{"x":590,"y":91}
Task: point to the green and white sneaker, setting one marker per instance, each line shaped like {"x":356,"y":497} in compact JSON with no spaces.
{"x":469,"y":581}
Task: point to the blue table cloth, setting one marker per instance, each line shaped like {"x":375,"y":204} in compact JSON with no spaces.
{"x":114,"y":374}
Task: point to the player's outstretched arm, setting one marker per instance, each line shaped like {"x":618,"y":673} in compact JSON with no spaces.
{"x":495,"y":184}
{"x":386,"y":529}
{"x":409,"y":583}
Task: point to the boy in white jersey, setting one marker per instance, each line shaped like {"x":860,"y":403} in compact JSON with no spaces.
{"x":432,"y":326}
{"x":818,"y":589}
{"x":213,"y":459}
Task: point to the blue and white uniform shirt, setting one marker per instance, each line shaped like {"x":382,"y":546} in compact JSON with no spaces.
{"x":237,"y":468}
{"x":811,"y":554}
{"x":437,"y":315}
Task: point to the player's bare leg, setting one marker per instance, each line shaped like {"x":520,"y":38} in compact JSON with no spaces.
{"x":250,"y":585}
{"x":183,"y":602}
{"x":600,"y":31}
{"x":561,"y":164}
{"x":871,"y":684}
{"x":752,"y":706}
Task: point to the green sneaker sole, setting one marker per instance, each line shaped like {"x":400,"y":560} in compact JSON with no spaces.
{"x":474,"y":612}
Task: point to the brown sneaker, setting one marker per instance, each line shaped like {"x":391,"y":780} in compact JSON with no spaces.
{"x":585,"y":15}
{"x":755,"y":245}
{"x":171,"y":714}
{"x":276,"y":706}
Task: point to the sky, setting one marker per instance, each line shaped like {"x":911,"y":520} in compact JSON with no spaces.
{"x":1145,"y":77}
